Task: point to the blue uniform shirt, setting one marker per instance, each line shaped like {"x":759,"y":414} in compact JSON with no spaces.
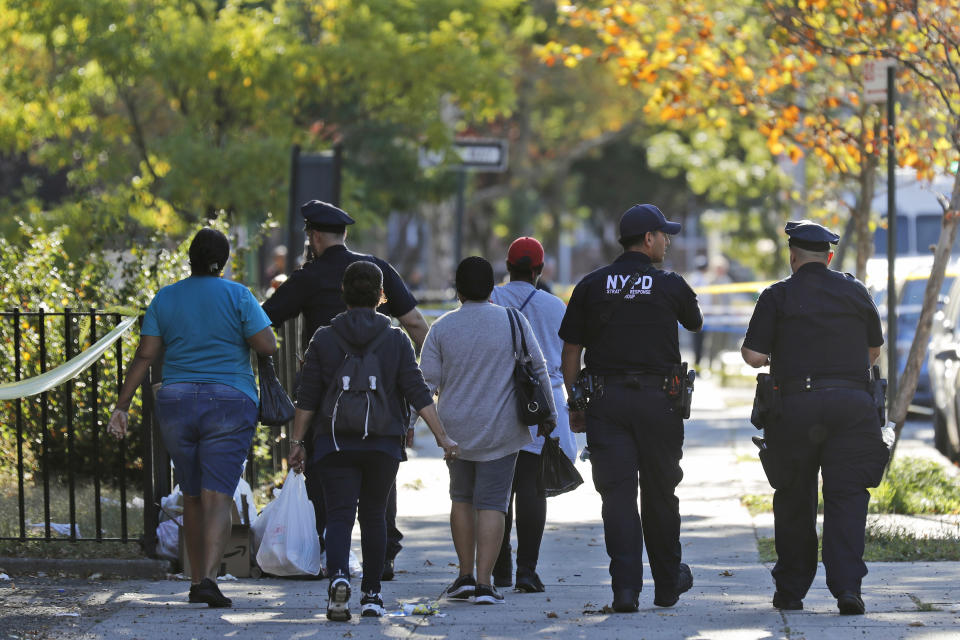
{"x":817,"y":322}
{"x":315,"y":291}
{"x":204,"y":322}
{"x":641,"y":336}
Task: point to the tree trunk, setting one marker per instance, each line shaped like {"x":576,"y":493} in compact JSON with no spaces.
{"x":440,"y":218}
{"x":907,"y":385}
{"x":861,"y":214}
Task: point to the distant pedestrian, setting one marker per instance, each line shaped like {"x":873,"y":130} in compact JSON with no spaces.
{"x":468,"y":358}
{"x":819,"y":331}
{"x":525,"y":263}
{"x":625,"y":315}
{"x":314,"y":291}
{"x":359,"y":470}
{"x":204,"y":327}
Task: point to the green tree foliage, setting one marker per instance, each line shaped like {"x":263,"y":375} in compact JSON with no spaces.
{"x":159,"y":114}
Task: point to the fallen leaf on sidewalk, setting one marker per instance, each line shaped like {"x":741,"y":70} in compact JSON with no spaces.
{"x":427,"y":563}
{"x":451,"y":564}
{"x":592,"y":612}
{"x":552,"y":614}
{"x":726,"y":573}
{"x":916,"y":623}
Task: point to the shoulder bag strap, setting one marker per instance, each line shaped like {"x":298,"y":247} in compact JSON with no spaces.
{"x":515,"y":316}
{"x":528,"y":299}
{"x":513,"y":332}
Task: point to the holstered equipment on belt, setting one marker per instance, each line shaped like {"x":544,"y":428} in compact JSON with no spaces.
{"x":679,"y":388}
{"x":766,"y":402}
{"x":583,"y":391}
{"x":779,"y":468}
{"x":878,"y":389}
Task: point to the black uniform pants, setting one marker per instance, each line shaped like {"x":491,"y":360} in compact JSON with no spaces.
{"x":835,"y":432}
{"x":531,"y":510}
{"x":636,"y":440}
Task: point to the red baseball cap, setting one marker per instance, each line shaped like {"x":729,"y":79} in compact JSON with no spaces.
{"x":525,"y":247}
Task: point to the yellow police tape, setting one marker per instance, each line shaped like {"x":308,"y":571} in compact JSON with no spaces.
{"x":66,"y":371}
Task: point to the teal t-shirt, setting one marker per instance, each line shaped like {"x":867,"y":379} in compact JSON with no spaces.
{"x":204,"y":322}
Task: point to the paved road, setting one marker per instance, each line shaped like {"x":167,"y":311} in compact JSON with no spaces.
{"x":730,"y":597}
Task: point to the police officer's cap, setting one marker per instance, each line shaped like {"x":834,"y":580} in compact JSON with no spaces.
{"x":811,"y":236}
{"x":324,"y":216}
{"x":640,"y":219}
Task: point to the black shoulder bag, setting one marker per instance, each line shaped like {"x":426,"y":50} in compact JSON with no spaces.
{"x":532,"y":403}
{"x":276,"y":408}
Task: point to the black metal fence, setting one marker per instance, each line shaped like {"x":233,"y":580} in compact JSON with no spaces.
{"x":58,"y":434}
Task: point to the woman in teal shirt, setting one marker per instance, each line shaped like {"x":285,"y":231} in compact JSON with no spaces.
{"x":204,"y":326}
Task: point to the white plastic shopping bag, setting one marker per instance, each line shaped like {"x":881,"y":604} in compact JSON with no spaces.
{"x":289,"y":545}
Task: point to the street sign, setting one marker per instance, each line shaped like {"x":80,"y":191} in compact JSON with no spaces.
{"x":875,"y":79}
{"x":482,"y":154}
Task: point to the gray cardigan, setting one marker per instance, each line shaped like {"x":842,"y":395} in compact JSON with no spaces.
{"x":468,"y":359}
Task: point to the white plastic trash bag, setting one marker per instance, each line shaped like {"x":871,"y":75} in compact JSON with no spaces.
{"x":243,"y":489}
{"x":288,"y":540}
{"x":168,"y":538}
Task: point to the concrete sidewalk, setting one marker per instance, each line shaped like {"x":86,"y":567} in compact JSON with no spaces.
{"x":730,"y":598}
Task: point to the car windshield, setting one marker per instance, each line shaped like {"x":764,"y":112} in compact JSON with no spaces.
{"x":912,"y":292}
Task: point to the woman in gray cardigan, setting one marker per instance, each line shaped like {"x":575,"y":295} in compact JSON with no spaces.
{"x":468,"y":360}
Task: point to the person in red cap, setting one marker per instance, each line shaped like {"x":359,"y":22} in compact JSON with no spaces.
{"x":544,"y":311}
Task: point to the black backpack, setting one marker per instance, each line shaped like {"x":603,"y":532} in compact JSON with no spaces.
{"x":356,"y":401}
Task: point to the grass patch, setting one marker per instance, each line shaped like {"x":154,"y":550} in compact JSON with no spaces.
{"x":757,"y":503}
{"x":41,"y":549}
{"x":886,"y":545}
{"x":85,"y":500}
{"x":747,"y":457}
{"x":913,"y":486}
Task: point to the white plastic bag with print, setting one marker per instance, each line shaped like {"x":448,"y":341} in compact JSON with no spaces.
{"x":289,"y":545}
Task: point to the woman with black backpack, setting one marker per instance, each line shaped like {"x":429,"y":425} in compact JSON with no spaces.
{"x":359,"y":375}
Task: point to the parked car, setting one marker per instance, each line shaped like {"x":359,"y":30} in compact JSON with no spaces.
{"x":944,"y":374}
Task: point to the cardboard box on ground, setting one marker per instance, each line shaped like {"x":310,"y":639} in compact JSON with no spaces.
{"x":236,"y":559}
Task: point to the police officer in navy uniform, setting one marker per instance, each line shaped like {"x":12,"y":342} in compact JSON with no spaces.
{"x":314,"y":290}
{"x":625,"y":316}
{"x":820,"y":332}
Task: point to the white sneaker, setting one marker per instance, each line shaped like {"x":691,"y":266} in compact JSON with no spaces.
{"x":371,"y":606}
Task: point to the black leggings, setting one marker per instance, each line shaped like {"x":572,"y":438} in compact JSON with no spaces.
{"x":351,"y":479}
{"x":531,"y":508}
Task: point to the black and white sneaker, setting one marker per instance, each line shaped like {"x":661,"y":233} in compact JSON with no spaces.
{"x":338,"y":608}
{"x":462,"y":588}
{"x":487,"y":594}
{"x":371,"y":606}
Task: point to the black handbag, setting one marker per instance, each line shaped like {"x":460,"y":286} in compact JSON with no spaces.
{"x":556,"y":474}
{"x":532,"y":403}
{"x":276,"y":408}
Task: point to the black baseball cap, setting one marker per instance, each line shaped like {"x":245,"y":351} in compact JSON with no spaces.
{"x":640,"y":219}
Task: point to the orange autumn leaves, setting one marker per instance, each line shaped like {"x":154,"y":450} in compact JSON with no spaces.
{"x":793,"y":66}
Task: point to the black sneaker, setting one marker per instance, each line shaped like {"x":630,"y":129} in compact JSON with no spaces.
{"x":338,"y":592}
{"x":487,"y":594}
{"x":528,"y":581}
{"x":786,"y":603}
{"x":626,"y":600}
{"x":387,"y":574}
{"x":208,"y":591}
{"x":462,"y":588}
{"x":850,"y":604}
{"x":684,"y":582}
{"x":371,"y":606}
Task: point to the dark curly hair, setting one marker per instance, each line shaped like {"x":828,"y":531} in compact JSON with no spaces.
{"x":363,"y":285}
{"x":209,"y":252}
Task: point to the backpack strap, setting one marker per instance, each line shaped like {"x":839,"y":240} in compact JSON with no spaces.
{"x":532,"y":293}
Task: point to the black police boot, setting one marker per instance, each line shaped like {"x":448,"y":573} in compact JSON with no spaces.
{"x":626,"y":600}
{"x":528,"y":581}
{"x":781,"y":601}
{"x":684,"y":582}
{"x":850,"y":604}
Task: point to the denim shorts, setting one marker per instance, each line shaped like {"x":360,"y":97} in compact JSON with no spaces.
{"x":486,"y":485}
{"x":207,"y":429}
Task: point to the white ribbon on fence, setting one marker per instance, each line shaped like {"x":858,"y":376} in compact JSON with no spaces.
{"x":66,"y":371}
